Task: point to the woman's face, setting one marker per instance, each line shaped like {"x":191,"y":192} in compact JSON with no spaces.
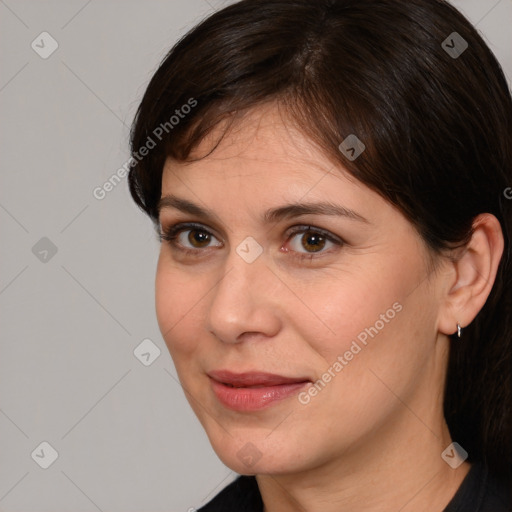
{"x":342,"y":300}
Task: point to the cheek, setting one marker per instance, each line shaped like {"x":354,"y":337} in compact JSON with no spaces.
{"x":350,"y":308}
{"x":380,"y":341}
{"x":178,"y":303}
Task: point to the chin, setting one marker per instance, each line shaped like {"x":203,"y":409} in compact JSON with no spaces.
{"x":257,"y":452}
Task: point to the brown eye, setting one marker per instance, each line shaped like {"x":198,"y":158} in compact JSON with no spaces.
{"x":198,"y":238}
{"x":189,"y":238}
{"x":308,"y":241}
{"x":312,"y":242}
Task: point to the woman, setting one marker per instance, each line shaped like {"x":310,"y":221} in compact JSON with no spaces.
{"x":329,"y":182}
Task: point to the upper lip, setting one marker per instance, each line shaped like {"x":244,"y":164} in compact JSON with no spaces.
{"x":253,"y":378}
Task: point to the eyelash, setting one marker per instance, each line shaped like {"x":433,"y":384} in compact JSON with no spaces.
{"x":171,"y":233}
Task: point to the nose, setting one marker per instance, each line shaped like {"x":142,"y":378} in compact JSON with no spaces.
{"x":245,"y":302}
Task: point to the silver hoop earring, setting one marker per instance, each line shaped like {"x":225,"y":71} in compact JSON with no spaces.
{"x":459,"y":330}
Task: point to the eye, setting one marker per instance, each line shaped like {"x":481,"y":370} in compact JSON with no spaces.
{"x":189,"y":238}
{"x":312,"y":241}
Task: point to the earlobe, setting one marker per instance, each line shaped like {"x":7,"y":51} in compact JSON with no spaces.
{"x":475,"y":269}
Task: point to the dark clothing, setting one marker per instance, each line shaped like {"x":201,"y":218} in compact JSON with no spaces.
{"x":479,"y":492}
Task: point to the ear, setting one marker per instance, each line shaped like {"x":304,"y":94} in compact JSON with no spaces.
{"x":472,"y":274}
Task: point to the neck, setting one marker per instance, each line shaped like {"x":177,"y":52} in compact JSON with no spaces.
{"x":409,"y":475}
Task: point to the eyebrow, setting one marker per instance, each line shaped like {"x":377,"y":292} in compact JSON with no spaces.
{"x":272,"y":215}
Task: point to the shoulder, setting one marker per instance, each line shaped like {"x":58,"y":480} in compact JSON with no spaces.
{"x":497,"y":494}
{"x":241,"y":495}
{"x":481,"y":491}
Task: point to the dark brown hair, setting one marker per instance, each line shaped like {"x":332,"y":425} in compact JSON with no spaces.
{"x":436,"y":126}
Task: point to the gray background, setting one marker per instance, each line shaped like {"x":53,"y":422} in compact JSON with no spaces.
{"x":125,"y":436}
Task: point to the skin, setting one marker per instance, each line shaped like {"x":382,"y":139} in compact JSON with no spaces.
{"x":372,"y":438}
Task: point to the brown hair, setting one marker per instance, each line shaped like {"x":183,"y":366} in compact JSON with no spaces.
{"x":436,"y":126}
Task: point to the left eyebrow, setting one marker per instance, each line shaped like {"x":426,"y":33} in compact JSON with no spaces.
{"x":322,"y":208}
{"x":272,"y":215}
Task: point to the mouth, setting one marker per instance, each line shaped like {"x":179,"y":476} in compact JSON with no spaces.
{"x":253,"y":390}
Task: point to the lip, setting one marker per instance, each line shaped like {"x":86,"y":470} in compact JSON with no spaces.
{"x":251,"y":391}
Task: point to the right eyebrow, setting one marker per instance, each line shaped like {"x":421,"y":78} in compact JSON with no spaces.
{"x":271,"y":215}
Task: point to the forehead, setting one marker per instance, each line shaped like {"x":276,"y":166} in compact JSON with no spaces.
{"x":263,"y":162}
{"x":262,"y":148}
{"x":265,"y":169}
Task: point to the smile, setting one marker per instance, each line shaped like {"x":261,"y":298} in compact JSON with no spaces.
{"x":253,"y":390}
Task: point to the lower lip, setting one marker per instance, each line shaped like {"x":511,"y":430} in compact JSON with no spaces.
{"x":253,"y":399}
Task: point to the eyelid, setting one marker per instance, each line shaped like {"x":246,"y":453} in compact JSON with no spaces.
{"x":335,"y":240}
{"x":172,"y":232}
{"x":308,"y":227}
